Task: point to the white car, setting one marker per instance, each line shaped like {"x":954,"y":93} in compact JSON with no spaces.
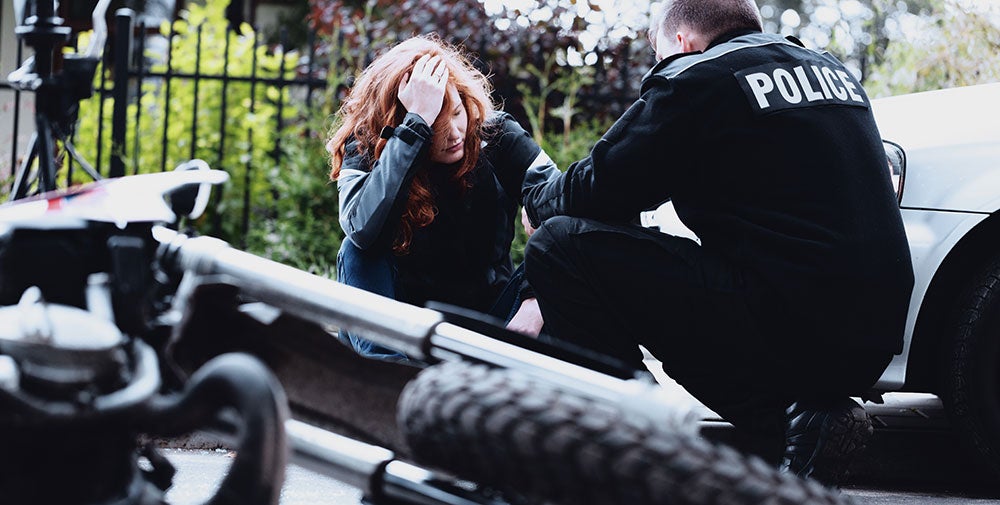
{"x":944,"y":153}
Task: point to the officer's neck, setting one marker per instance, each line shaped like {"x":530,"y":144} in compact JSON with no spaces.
{"x":726,"y":37}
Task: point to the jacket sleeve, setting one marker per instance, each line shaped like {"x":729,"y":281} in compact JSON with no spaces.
{"x":372,"y":198}
{"x":516,"y":158}
{"x":629,"y":169}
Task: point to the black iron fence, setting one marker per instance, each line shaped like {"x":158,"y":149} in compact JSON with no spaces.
{"x":136,"y":122}
{"x":129,"y":87}
{"x":130,"y":75}
{"x":138,"y":74}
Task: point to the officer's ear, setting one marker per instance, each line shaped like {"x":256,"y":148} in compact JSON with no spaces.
{"x":690,"y":40}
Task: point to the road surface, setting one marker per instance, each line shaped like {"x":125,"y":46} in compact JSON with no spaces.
{"x":913,"y":459}
{"x":199,"y":473}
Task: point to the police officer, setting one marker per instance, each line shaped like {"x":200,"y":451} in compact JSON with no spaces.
{"x":796,"y":297}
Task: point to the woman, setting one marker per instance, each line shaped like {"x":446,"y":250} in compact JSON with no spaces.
{"x":430,"y":177}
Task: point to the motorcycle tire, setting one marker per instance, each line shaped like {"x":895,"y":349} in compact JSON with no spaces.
{"x":523,"y":437}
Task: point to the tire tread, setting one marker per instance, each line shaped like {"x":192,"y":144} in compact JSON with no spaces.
{"x":521,"y":436}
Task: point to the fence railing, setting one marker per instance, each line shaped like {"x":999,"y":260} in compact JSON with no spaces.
{"x":128,"y":75}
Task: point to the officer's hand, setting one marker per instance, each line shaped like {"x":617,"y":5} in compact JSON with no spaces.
{"x":528,"y":319}
{"x":526,"y":222}
{"x":422,"y":90}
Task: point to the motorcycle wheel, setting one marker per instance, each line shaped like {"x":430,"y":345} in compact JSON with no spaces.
{"x":525,"y":438}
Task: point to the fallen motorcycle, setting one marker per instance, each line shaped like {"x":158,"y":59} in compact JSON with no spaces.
{"x":98,"y":295}
{"x":117,"y":331}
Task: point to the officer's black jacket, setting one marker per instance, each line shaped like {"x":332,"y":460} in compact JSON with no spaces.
{"x":771,"y":156}
{"x":463,"y":256}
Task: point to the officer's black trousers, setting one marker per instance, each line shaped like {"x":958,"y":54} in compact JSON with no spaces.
{"x":613,"y":287}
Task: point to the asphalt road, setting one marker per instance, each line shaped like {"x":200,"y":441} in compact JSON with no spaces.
{"x":199,"y":473}
{"x":913,"y":459}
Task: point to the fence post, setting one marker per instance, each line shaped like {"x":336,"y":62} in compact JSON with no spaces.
{"x":123,"y":45}
{"x":249,"y":160}
{"x":197,"y":80}
{"x":168,"y":77}
{"x":140,"y":65}
{"x":283,"y":40}
{"x":102,"y":93}
{"x":17,"y":113}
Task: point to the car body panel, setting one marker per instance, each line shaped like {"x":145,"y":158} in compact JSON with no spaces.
{"x":952,"y":146}
{"x":942,"y":118}
{"x":959,"y":178}
{"x":951,"y":182}
{"x":932,"y":235}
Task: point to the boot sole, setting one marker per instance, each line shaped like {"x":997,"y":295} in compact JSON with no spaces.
{"x":843,"y":438}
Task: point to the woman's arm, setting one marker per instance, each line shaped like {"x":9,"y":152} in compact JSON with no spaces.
{"x":518,"y":159}
{"x":372,"y":198}
{"x":514,"y":154}
{"x":371,"y":201}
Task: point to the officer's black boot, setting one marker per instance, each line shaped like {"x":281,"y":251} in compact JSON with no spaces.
{"x":822,"y":438}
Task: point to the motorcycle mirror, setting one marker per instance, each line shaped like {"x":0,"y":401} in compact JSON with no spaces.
{"x":191,"y":200}
{"x":19,"y":12}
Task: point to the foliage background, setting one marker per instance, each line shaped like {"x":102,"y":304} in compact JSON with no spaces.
{"x":565,"y":68}
{"x":217,"y":121}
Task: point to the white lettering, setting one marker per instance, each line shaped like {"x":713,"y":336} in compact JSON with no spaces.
{"x":761,"y":84}
{"x":786,"y":85}
{"x":822,"y":82}
{"x":849,"y":84}
{"x":811,"y":94}
{"x":831,"y":79}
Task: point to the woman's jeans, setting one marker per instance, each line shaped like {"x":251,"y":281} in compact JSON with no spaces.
{"x":376,"y":273}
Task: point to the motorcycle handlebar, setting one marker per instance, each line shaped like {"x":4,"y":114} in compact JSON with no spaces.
{"x":385,"y":321}
{"x":96,"y":46}
{"x":373,"y":469}
{"x":418,"y":332}
{"x":244,"y":384}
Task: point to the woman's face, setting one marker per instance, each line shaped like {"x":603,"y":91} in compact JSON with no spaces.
{"x":448,"y":144}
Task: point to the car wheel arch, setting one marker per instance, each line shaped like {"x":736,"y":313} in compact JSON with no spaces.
{"x":968,"y":257}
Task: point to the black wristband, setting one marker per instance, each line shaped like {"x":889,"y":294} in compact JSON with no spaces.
{"x":412,"y":130}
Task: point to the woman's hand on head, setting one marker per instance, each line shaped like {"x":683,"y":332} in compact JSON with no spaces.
{"x":422,"y":90}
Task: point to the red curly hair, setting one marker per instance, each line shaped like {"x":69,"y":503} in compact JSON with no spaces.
{"x":373,"y":104}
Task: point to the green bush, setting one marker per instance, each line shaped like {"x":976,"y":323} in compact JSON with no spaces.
{"x":303,"y":231}
{"x":248,"y":143}
{"x":955,"y":47}
{"x":572,"y":145}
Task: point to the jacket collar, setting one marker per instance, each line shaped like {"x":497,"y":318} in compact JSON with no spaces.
{"x":726,"y":37}
{"x":670,"y":66}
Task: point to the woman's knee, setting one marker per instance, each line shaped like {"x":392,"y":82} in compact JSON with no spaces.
{"x":368,"y":270}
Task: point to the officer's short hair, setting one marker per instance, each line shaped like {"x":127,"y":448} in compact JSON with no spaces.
{"x":710,"y":18}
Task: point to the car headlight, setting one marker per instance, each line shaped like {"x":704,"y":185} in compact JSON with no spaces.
{"x":896,"y":166}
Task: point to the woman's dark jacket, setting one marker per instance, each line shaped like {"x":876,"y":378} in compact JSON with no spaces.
{"x":463,"y":256}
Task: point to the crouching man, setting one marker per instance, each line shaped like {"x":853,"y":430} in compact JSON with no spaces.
{"x":796,"y":297}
